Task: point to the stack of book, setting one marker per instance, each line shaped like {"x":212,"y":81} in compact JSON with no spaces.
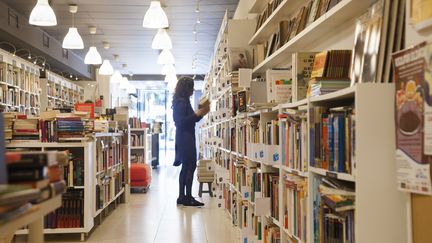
{"x":71,"y":214}
{"x":25,"y":128}
{"x":295,"y":203}
{"x":33,"y":177}
{"x":335,"y":211}
{"x":70,"y":128}
{"x":8,"y":120}
{"x":330,"y":72}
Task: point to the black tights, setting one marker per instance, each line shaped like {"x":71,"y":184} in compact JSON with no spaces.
{"x":186,"y":178}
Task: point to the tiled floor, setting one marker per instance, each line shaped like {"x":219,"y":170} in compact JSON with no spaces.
{"x":154,"y":217}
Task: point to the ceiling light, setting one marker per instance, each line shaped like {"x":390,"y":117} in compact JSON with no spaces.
{"x":73,"y":39}
{"x":106,"y":68}
{"x":124,"y":83}
{"x":93,"y":56}
{"x":166,"y":57}
{"x":131,"y":88}
{"x":198,"y":20}
{"x":116,"y":57}
{"x":161,"y":40}
{"x":168,"y":69}
{"x":155,"y":17}
{"x":171,"y":78}
{"x":105,"y":45}
{"x":42,"y":14}
{"x":116,"y":77}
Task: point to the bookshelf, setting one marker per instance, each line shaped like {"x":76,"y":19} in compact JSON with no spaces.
{"x":283,"y":169}
{"x":19,"y":85}
{"x":93,"y":164}
{"x":60,"y":92}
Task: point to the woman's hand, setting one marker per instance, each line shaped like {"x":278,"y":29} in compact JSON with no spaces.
{"x":203,"y":111}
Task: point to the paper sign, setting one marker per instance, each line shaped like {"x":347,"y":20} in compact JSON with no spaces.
{"x":245,"y":77}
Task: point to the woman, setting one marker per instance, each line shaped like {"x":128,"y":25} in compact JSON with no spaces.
{"x":185,"y":147}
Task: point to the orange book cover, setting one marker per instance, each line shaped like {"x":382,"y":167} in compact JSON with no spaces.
{"x":86,"y":107}
{"x":319,"y":64}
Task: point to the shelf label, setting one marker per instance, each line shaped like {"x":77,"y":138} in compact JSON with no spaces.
{"x":331,"y":174}
{"x":275,"y":157}
{"x":261,"y":154}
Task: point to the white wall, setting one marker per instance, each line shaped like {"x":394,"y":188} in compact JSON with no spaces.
{"x":242,"y":11}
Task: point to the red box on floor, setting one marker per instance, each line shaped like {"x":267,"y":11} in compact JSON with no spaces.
{"x":140,"y":175}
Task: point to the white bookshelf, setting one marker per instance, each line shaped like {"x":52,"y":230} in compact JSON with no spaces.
{"x":331,"y":23}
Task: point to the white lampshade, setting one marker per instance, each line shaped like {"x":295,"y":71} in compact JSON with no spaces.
{"x":171,"y":78}
{"x":168,"y":69}
{"x":73,"y":39}
{"x":166,"y":57}
{"x":161,"y":40}
{"x":131,"y":88}
{"x":93,"y":56}
{"x":124,"y":83}
{"x":42,"y":14}
{"x":116,"y":77}
{"x":171,"y":86}
{"x":106,"y":68}
{"x":155,"y":17}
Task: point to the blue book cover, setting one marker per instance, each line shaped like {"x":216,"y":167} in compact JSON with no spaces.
{"x":330,"y":141}
{"x":341,"y":142}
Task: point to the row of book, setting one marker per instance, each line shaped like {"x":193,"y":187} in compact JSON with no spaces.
{"x":288,"y":29}
{"x":295,"y":205}
{"x":334,"y":215}
{"x":137,"y":139}
{"x":23,"y":77}
{"x":294,"y":140}
{"x":109,"y":152}
{"x":271,"y":133}
{"x":332,"y":136}
{"x":70,"y":214}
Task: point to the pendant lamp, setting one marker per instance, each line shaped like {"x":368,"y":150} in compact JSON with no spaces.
{"x":124,"y":83}
{"x":161,"y":40}
{"x":116,"y":77}
{"x":131,"y":88}
{"x":42,"y":14}
{"x":168,"y":69}
{"x":73,"y":39}
{"x":155,"y":17}
{"x":171,"y":78}
{"x":93,"y":56}
{"x":166,"y":57}
{"x":106,"y":68}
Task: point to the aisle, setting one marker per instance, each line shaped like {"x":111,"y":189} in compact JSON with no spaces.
{"x":154,"y":217}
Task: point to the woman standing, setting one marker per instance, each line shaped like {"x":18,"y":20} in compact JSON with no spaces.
{"x":185,"y":147}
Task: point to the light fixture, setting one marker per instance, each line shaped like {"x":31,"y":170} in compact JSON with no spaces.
{"x":106,"y":68}
{"x":73,"y":39}
{"x":116,"y":77}
{"x":93,"y":56}
{"x":168,"y":69}
{"x":161,"y":40}
{"x":196,"y":39}
{"x":155,"y":17}
{"x":130,"y":74}
{"x":124,"y":83}
{"x":170,"y":78}
{"x":105,"y":45}
{"x":42,"y":14}
{"x":197,"y":9}
{"x":198,"y":20}
{"x":130,"y":88}
{"x":194,"y":29}
{"x":166,"y":57}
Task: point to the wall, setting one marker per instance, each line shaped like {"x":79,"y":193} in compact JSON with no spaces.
{"x":242,"y":11}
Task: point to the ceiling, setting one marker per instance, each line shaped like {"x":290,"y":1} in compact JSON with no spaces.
{"x":119,"y":22}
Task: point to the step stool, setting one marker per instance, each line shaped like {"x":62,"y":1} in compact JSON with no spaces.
{"x":209,"y":190}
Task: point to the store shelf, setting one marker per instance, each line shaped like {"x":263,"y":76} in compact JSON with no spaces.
{"x":258,"y":6}
{"x":294,"y":171}
{"x":33,"y":144}
{"x":294,"y":104}
{"x":138,"y":129}
{"x":137,"y":147}
{"x":332,"y":174}
{"x":285,"y":10}
{"x":343,"y":94}
{"x":107,"y":204}
{"x":330,"y":23}
{"x":56,"y":231}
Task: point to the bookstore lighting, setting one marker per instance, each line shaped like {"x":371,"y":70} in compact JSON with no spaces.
{"x":93,"y":57}
{"x":42,"y":14}
{"x":197,"y":9}
{"x":168,"y":69}
{"x":162,"y":40}
{"x":73,"y":39}
{"x":116,"y":77}
{"x":171,"y":78}
{"x":155,"y":17}
{"x":166,"y":57}
{"x":106,"y":68}
{"x":124,"y":83}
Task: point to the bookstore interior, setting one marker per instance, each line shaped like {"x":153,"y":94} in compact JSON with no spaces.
{"x":317,"y":130}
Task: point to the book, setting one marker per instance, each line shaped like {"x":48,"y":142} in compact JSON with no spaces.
{"x":204,"y":102}
{"x":320,"y":61}
{"x":3,"y":168}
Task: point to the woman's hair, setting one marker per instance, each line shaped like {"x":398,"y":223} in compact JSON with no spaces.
{"x":184,"y":88}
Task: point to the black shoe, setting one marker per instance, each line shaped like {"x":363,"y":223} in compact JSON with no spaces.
{"x":191,"y":202}
{"x":180,"y":200}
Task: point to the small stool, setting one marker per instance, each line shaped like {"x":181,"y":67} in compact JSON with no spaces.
{"x":209,"y":191}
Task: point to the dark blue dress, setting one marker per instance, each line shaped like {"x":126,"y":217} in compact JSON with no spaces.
{"x":185,"y":119}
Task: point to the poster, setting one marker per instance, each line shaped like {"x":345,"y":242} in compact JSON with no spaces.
{"x":413,"y":113}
